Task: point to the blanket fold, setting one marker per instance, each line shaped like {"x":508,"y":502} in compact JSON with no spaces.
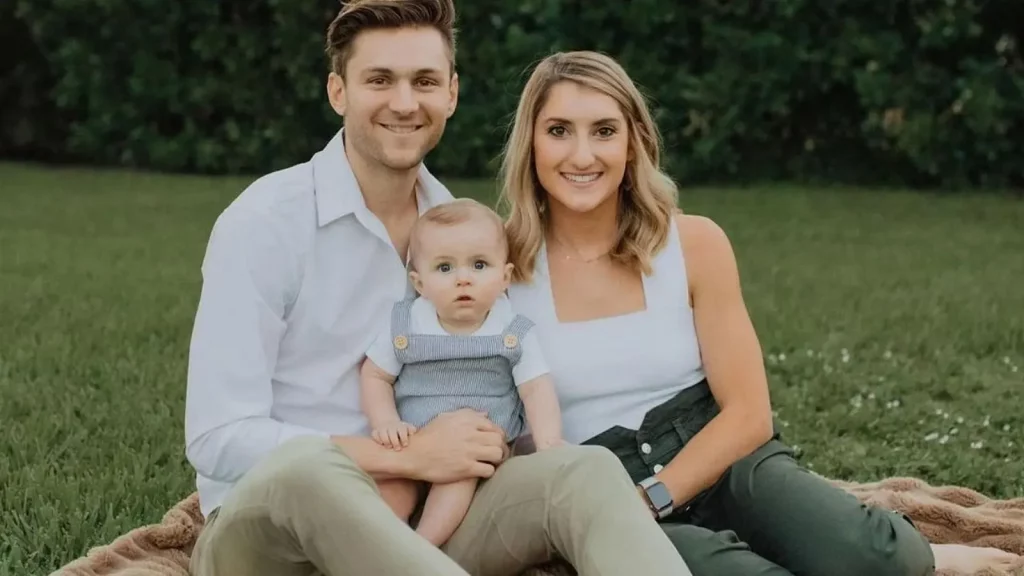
{"x":944,"y":514}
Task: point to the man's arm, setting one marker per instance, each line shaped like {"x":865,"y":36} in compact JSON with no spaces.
{"x":249,"y":274}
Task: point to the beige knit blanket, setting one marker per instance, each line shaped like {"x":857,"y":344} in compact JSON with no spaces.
{"x":944,"y":514}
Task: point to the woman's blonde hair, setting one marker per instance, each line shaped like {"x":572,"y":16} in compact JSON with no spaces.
{"x":648,"y":196}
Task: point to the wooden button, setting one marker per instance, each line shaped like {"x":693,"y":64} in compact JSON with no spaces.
{"x":401,"y":342}
{"x":511,"y":341}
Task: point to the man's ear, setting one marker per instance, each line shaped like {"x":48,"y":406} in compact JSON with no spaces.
{"x":336,"y":92}
{"x":453,"y":87}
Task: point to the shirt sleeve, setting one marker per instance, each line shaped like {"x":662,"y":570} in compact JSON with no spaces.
{"x":532,"y":363}
{"x":382,"y":352}
{"x":249,"y":275}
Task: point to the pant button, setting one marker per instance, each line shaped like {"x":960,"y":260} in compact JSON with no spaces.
{"x":645,"y":448}
{"x":658,"y":468}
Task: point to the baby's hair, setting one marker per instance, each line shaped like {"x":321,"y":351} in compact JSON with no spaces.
{"x":457,"y":211}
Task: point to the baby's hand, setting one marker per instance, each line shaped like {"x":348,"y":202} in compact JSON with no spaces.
{"x":394,"y":435}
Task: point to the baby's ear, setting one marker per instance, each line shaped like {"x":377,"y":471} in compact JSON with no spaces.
{"x":508,"y":272}
{"x":414,"y":277}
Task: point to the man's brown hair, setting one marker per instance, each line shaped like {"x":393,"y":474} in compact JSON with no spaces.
{"x":359,"y":15}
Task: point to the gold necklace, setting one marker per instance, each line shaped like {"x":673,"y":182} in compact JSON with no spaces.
{"x":579,"y":256}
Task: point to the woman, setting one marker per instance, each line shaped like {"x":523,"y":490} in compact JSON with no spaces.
{"x":654,"y":356}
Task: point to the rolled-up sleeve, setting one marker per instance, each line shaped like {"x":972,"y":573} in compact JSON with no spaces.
{"x":250,"y":273}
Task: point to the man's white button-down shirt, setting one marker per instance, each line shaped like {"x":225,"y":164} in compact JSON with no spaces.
{"x":298,"y":278}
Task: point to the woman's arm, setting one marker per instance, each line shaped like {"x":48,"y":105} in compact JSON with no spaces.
{"x":732,"y":362}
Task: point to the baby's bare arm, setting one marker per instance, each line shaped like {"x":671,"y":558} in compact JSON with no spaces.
{"x":377,"y":394}
{"x":542,"y":411}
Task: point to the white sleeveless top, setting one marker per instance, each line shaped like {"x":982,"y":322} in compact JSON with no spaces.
{"x":611,"y":371}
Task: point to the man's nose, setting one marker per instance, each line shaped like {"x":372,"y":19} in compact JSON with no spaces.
{"x":404,"y":100}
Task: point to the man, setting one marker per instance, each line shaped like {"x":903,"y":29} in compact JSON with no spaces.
{"x":299,"y":273}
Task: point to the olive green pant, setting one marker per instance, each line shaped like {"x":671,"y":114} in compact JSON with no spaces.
{"x":308,"y":510}
{"x":767,"y":516}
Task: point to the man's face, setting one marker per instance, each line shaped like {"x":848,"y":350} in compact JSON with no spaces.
{"x":396,"y":96}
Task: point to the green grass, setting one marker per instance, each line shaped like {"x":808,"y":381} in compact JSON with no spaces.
{"x":861,"y":300}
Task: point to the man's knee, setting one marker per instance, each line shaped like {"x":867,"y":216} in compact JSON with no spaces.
{"x":586,"y":468}
{"x":299,"y":467}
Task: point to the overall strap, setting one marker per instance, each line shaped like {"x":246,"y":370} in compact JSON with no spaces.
{"x":401,"y":322}
{"x":513,"y":335}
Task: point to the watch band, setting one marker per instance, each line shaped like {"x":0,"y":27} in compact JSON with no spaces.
{"x":658,"y":497}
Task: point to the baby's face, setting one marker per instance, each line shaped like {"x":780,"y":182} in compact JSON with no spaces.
{"x":461,"y":269}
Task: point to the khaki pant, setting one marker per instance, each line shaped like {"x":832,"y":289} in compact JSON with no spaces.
{"x":309,"y":510}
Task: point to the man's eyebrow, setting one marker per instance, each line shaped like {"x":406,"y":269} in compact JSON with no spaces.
{"x":389,"y":72}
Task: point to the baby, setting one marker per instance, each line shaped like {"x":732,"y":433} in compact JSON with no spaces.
{"x":457,"y":345}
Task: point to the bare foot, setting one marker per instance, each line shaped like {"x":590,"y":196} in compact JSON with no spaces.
{"x":969,"y":559}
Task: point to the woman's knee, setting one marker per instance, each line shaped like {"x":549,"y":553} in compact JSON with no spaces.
{"x":891,"y":547}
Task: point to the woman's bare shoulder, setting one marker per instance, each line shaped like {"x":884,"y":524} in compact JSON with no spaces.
{"x":701,"y":237}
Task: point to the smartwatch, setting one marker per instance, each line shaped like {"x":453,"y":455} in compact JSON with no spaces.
{"x":658,"y":498}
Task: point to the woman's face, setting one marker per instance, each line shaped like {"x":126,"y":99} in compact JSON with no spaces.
{"x":580,"y":147}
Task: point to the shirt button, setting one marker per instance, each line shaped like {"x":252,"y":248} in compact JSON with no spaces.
{"x":658,"y":468}
{"x":645,"y":448}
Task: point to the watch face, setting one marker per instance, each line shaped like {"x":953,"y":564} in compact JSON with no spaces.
{"x":659,"y":496}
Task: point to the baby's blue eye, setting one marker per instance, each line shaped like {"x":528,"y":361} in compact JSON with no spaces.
{"x":480,"y":265}
{"x":444,"y":267}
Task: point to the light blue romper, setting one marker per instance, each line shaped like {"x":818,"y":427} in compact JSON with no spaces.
{"x":443,"y":373}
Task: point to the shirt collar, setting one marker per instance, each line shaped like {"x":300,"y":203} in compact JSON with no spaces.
{"x":337,"y":191}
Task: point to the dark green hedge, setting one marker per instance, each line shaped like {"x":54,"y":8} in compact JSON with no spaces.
{"x":919,"y":92}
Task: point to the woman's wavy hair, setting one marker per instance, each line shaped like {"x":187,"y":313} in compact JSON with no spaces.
{"x":647,"y":196}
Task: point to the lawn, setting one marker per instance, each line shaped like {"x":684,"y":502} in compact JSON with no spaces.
{"x":892,"y":325}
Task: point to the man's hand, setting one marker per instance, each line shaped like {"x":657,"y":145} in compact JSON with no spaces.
{"x":394,"y":434}
{"x":455,"y":446}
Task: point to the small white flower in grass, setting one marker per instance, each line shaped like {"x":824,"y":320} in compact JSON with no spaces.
{"x":920,"y":422}
{"x":938,"y":411}
{"x":1013,"y":368}
{"x":945,"y":415}
{"x":1006,"y":359}
{"x":1006,"y":427}
{"x":1010,"y":443}
{"x":771,"y":358}
{"x":828,"y":369}
{"x":959,"y":419}
{"x":954,"y":431}
{"x":976,"y":445}
{"x":857,"y":401}
{"x":782,"y":357}
{"x":987,"y":422}
{"x":944,"y":439}
{"x":892,"y":404}
{"x":810,"y":353}
{"x":931,"y":436}
{"x":871,"y":396}
{"x":887,"y":355}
